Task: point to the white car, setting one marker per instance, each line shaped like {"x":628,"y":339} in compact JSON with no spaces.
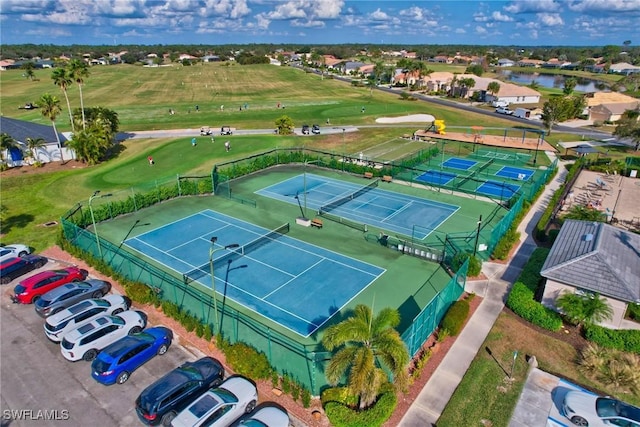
{"x":588,"y":409}
{"x":87,"y":340}
{"x":16,"y":250}
{"x":504,"y":110}
{"x":267,"y":416}
{"x":83,"y":312}
{"x":221,"y":406}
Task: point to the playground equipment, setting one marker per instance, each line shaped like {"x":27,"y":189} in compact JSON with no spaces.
{"x":440,"y":127}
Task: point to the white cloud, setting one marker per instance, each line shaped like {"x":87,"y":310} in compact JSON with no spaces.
{"x":550,"y":19}
{"x":307,"y":23}
{"x":378,"y":15}
{"x":497,"y":16}
{"x":533,"y":6}
{"x":595,"y":6}
{"x":480,"y":17}
{"x":481,"y":30}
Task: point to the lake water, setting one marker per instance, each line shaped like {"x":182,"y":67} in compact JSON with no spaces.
{"x":552,"y":81}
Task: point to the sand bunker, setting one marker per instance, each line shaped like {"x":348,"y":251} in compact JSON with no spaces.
{"x":413,"y":118}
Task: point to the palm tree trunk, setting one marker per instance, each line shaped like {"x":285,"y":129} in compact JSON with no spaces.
{"x":69,"y":109}
{"x":84,"y":124}
{"x":55,"y":130}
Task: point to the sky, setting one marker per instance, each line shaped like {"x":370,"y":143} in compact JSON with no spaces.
{"x":217,"y":22}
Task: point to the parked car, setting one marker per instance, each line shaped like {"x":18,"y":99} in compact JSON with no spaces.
{"x":504,"y":110}
{"x":226,"y":130}
{"x":221,"y":406}
{"x":15,"y":250}
{"x":32,"y":288}
{"x":87,"y":340}
{"x":305,"y":129}
{"x":12,"y":268}
{"x":69,"y":294}
{"x":588,"y":409}
{"x":117,"y":361}
{"x":161,"y":401}
{"x":315,"y":129}
{"x":83,"y":312}
{"x":499,"y":103}
{"x":267,"y":416}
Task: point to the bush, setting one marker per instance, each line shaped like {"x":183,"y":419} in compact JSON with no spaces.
{"x":474,"y":263}
{"x":623,"y":339}
{"x":341,"y":414}
{"x":505,"y":244}
{"x":455,"y":317}
{"x":633,"y":311}
{"x":247,"y":361}
{"x":521,"y":302}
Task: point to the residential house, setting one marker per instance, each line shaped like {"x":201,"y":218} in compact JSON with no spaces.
{"x":623,"y":68}
{"x":595,"y":257}
{"x":513,"y":94}
{"x":441,"y":59}
{"x":608,"y":106}
{"x":555,"y":63}
{"x":20,"y":130}
{"x":210,"y":58}
{"x":438,"y":81}
{"x":350,"y":67}
{"x":367,"y":69}
{"x":534,"y":63}
{"x":505,"y":62}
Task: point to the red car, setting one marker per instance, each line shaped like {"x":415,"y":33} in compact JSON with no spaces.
{"x":30,"y":289}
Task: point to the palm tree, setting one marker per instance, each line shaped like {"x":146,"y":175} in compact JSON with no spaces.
{"x":62,"y":79}
{"x":6,"y":143}
{"x":493,"y":88}
{"x":587,"y":308}
{"x":33,"y":144}
{"x":28,"y":68}
{"x":365,"y":345}
{"x":78,"y":70}
{"x":50,"y":108}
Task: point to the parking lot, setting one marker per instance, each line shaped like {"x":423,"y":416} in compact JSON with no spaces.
{"x":41,"y":388}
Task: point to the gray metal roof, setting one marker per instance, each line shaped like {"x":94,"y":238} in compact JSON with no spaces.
{"x":20,"y":130}
{"x":597,"y":257}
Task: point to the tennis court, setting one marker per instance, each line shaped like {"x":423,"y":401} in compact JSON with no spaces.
{"x":457,"y":163}
{"x":436,"y":177}
{"x":498,"y":189}
{"x":274,"y":275}
{"x":510,"y":172}
{"x":371,"y":205}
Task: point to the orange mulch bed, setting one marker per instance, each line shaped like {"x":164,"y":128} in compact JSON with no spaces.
{"x":312,"y":416}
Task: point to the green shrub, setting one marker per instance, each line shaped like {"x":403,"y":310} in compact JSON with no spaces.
{"x":207,"y":334}
{"x":521,"y":301}
{"x":474,"y":263}
{"x":247,"y":361}
{"x":633,"y":311}
{"x":530,"y":274}
{"x":455,"y":317}
{"x":504,"y":245}
{"x":341,"y":415}
{"x":623,"y":339}
{"x":306,"y":397}
{"x":286,"y":383}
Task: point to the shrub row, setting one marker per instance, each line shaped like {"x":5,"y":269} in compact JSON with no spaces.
{"x":475,"y":265}
{"x":530,"y":274}
{"x":339,"y":408}
{"x":504,"y":245}
{"x":521,"y":302}
{"x":453,"y":320}
{"x":545,"y":218}
{"x":623,"y":339}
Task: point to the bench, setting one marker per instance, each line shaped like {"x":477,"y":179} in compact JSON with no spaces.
{"x":387,"y":178}
{"x":368,"y":175}
{"x":316,"y":222}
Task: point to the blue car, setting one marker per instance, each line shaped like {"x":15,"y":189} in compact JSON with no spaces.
{"x":116,"y":362}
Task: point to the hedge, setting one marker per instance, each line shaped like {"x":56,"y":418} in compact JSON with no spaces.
{"x":455,"y":317}
{"x":521,"y":302}
{"x":335,"y":401}
{"x":622,"y":339}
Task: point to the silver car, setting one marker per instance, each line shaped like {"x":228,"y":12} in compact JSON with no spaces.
{"x":269,"y":416}
{"x":67,"y":295}
{"x":588,"y":409}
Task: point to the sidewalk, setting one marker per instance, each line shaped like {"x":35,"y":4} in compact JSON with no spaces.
{"x":435,"y":395}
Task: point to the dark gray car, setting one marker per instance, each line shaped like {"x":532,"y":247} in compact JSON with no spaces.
{"x":67,"y":295}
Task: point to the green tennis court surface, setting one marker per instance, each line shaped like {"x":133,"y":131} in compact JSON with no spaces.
{"x":272,"y":274}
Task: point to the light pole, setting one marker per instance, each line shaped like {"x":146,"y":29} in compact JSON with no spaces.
{"x":213,"y":250}
{"x":344,"y":149}
{"x":93,"y":219}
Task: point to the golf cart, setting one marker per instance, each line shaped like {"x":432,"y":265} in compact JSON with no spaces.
{"x":205,"y":131}
{"x":305,"y":129}
{"x":225,"y":130}
{"x":315,"y":129}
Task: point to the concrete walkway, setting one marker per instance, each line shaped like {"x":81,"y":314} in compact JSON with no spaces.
{"x":433,"y":398}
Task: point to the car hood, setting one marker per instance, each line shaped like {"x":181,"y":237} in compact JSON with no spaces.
{"x":583,"y":404}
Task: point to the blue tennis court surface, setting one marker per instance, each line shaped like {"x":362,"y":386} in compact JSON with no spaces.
{"x":436,"y":177}
{"x":384,"y":209}
{"x":296,"y":284}
{"x":457,"y":163}
{"x":515,"y":173}
{"x":498,"y":189}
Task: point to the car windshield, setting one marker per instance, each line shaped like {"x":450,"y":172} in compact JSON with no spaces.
{"x":226,"y":395}
{"x":43,"y":302}
{"x":19,"y":289}
{"x":203,"y":405}
{"x":253,"y":423}
{"x":100,"y":366}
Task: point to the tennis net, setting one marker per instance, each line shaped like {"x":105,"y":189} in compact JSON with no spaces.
{"x":236,"y":253}
{"x":349,"y":197}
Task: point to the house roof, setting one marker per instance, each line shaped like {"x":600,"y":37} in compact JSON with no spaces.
{"x":598,"y":98}
{"x":597,"y":257}
{"x":617,"y":108}
{"x":20,"y":130}
{"x":506,"y":89}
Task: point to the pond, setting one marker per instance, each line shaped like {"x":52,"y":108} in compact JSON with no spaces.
{"x":553,"y":81}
